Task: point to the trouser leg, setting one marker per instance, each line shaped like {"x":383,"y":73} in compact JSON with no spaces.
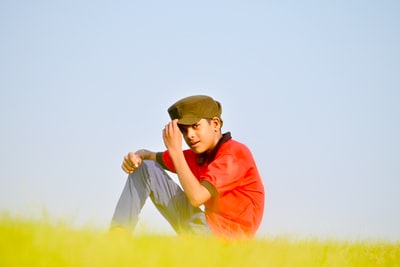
{"x":150,"y":180}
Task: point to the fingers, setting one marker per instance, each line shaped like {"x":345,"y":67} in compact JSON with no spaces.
{"x":170,"y":128}
{"x":126,"y":167}
{"x":172,"y":136}
{"x":166,"y":132}
{"x":131,"y":162}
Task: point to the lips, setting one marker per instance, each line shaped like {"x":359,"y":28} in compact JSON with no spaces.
{"x":193,"y":144}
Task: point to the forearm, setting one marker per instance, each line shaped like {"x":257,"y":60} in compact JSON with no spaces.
{"x":195,"y":192}
{"x":146,"y":154}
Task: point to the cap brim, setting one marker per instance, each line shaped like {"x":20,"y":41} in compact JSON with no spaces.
{"x":188,"y":121}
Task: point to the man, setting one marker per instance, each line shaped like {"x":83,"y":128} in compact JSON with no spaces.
{"x":217,"y":172}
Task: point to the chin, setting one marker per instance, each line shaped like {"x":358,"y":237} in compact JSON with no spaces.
{"x":197,"y":150}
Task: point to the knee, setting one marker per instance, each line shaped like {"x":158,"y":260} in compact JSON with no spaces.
{"x":143,"y":169}
{"x":150,"y":164}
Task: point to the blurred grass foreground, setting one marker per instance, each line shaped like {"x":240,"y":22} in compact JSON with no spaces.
{"x":36,"y":242}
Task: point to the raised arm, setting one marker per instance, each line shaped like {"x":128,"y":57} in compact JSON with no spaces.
{"x":195,"y":192}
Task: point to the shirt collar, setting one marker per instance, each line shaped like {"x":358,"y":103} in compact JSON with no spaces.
{"x":208,"y":157}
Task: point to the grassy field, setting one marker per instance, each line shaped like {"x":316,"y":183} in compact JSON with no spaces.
{"x":27,"y":242}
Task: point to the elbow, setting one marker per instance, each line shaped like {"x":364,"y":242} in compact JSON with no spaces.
{"x":199,"y":197}
{"x":196,"y":202}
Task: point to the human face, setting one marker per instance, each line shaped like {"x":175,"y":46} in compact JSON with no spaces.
{"x":202,"y":136}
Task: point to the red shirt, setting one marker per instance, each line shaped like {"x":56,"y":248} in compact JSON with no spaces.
{"x":237,"y":193}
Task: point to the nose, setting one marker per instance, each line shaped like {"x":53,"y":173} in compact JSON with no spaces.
{"x":190,"y":132}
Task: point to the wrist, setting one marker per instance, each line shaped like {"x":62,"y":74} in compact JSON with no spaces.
{"x":141,"y":153}
{"x":146,"y":154}
{"x":176,"y":155}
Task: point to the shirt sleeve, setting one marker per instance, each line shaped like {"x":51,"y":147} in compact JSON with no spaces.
{"x":210,"y":187}
{"x":165,"y":161}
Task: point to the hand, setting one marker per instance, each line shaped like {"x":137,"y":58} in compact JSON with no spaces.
{"x":131,"y":162}
{"x":172,"y":136}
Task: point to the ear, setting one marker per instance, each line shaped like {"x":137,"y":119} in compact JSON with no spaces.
{"x":216,"y":123}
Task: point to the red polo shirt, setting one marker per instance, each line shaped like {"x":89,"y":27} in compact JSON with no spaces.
{"x":237,"y":192}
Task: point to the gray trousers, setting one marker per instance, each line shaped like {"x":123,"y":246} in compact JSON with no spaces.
{"x":151,"y":180}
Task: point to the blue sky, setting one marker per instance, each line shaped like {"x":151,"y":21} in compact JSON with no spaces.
{"x":312,"y":88}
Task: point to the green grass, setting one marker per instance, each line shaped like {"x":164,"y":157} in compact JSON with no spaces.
{"x":29,"y":242}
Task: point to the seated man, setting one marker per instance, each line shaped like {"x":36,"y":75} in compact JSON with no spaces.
{"x":216,"y":171}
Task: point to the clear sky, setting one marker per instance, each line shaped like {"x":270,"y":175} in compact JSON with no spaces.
{"x":311,"y":87}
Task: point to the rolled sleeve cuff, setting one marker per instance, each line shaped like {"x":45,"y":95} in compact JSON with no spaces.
{"x":210,"y":187}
